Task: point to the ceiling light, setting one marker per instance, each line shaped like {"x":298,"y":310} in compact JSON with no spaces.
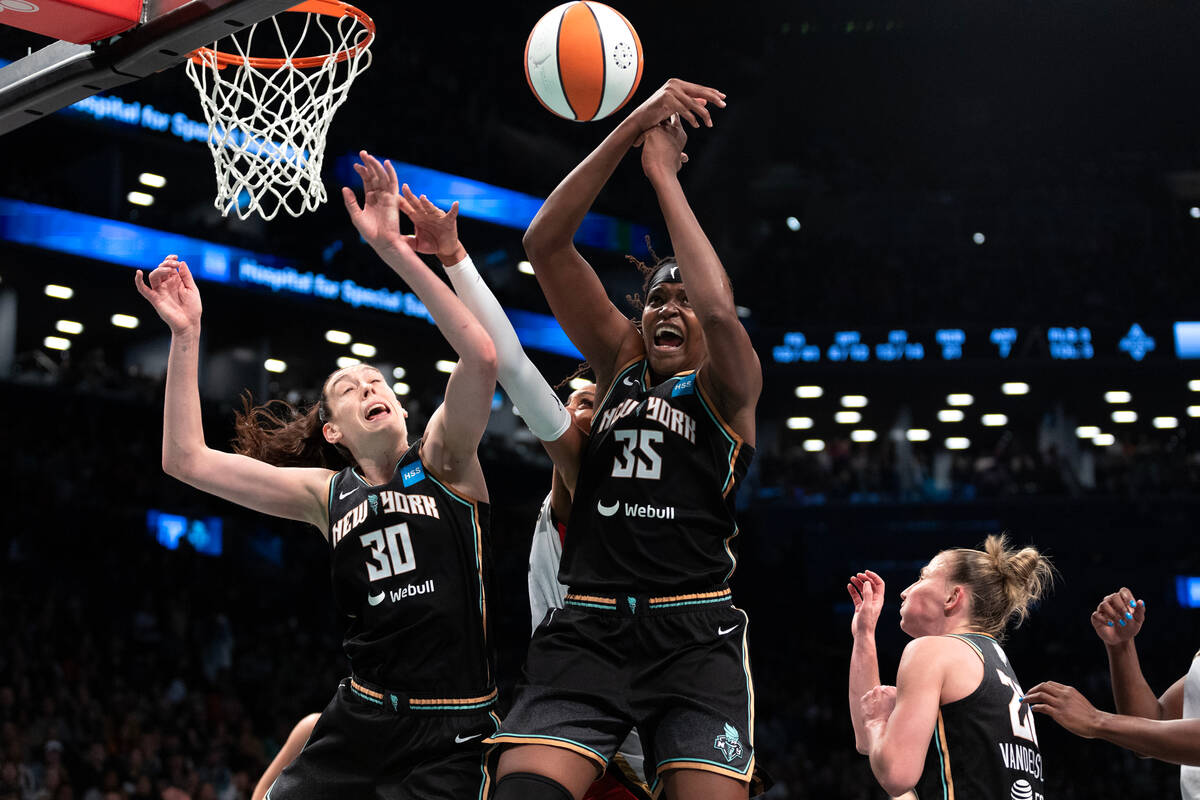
{"x":814,"y":445}
{"x":124,"y":321}
{"x":1015,"y":387}
{"x":524,"y":267}
{"x":1117,"y":397}
{"x":809,"y":392}
{"x":854,"y":401}
{"x":401,"y":388}
{"x":60,"y":292}
{"x":1124,"y":416}
{"x":274,"y":365}
{"x":445,"y":366}
{"x":152,"y":180}
{"x":994,"y":420}
{"x":338,"y":337}
{"x":862,"y":436}
{"x":799,"y":423}
{"x":579,"y":383}
{"x":917,"y":435}
{"x":950,"y":415}
{"x":363,"y":350}
{"x":793,"y":224}
{"x":57,"y":343}
{"x":959,"y":399}
{"x":1166,"y":422}
{"x":347,"y":361}
{"x":1087,"y":431}
{"x":398,"y":372}
{"x":68,"y":326}
{"x":1104,"y":440}
{"x":847,"y":417}
{"x":958,"y":443}
{"x":140,"y":198}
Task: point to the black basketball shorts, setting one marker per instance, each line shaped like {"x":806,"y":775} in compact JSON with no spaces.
{"x":676,"y":667}
{"x":360,"y":748}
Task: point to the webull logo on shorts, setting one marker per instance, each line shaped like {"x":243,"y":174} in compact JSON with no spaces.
{"x":635,"y":510}
{"x":729,"y":744}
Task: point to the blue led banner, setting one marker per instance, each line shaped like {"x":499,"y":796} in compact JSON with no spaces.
{"x":131,"y":245}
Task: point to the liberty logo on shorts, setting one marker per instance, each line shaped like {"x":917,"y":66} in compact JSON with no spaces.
{"x":395,"y":702}
{"x":729,"y":743}
{"x":632,"y":604}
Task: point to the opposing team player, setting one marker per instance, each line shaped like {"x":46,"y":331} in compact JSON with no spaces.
{"x":954,"y":724}
{"x":648,"y":636}
{"x":562,"y":431}
{"x":1166,"y":727}
{"x":406,"y":521}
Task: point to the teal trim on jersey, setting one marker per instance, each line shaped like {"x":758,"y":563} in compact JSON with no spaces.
{"x":937,"y":741}
{"x":746,"y":669}
{"x":476,"y":534}
{"x":733,"y":446}
{"x":455,"y":707}
{"x":601,"y":606}
{"x":619,"y":377}
{"x":709,"y":601}
{"x":603,"y":760}
{"x":329,"y":514}
{"x":699,"y":761}
{"x":485,"y":781}
{"x":367,"y":697}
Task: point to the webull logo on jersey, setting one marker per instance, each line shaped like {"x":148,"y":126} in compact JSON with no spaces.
{"x":396,"y":595}
{"x":635,"y":510}
{"x":729,"y":744}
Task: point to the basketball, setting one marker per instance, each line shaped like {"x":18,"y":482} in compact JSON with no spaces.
{"x":583,"y":60}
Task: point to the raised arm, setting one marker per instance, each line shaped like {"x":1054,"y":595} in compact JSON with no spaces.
{"x":733,"y":373}
{"x":455,"y":428}
{"x":866,"y":591}
{"x":1174,"y":740}
{"x":289,"y":492}
{"x":899,"y":722}
{"x":541,"y":409}
{"x":1117,"y":620}
{"x":601,"y":332}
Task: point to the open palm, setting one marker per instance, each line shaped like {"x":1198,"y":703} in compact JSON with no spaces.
{"x":436,"y":230}
{"x":173,"y":294}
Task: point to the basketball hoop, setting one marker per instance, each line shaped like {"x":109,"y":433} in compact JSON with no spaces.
{"x":268,"y":115}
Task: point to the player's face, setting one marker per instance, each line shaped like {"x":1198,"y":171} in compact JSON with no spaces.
{"x":674,"y":341}
{"x":581,"y":405}
{"x":923,"y":604}
{"x":362,"y":405}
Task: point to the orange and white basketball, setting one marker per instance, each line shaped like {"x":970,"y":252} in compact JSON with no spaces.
{"x":583,"y":60}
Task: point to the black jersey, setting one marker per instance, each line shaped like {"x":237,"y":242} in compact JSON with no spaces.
{"x":410,"y":571}
{"x":985,"y":746}
{"x":653,"y":511}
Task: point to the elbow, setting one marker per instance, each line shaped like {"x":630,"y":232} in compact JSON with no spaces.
{"x":896,"y":779}
{"x":484,"y":360}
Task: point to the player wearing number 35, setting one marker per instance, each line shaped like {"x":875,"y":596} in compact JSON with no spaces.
{"x":648,"y":635}
{"x":406,"y":522}
{"x":955,"y":724}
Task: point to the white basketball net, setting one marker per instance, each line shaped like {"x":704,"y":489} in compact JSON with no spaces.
{"x":267,"y":126}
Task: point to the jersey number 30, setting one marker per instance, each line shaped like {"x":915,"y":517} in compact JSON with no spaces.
{"x":639,"y":459}
{"x":391,"y":549}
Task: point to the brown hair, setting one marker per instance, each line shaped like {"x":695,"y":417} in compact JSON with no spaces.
{"x":1003,"y":582}
{"x":281,"y":434}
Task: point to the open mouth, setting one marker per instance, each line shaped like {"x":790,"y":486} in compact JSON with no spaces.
{"x":377,"y":411}
{"x":668,"y":337}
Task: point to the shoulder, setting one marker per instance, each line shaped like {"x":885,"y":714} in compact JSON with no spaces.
{"x":936,"y":652}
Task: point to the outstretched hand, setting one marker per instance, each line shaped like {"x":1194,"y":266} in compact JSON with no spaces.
{"x":662,"y":148}
{"x":866,"y":590}
{"x":173,"y":294}
{"x":689,"y":100}
{"x":1066,"y":706}
{"x":1119,"y":617}
{"x":436,"y":230}
{"x":378,"y":219}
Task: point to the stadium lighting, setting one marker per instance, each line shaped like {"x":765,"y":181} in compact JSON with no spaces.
{"x":1087,"y":431}
{"x":958,"y":443}
{"x":524,"y":267}
{"x":950,"y":415}
{"x":363,"y":350}
{"x":862,"y":436}
{"x":994,"y":420}
{"x":961,"y":399}
{"x":338,"y":337}
{"x":1194,"y":385}
{"x":57,"y":343}
{"x":799,"y":423}
{"x":847,"y":417}
{"x":809,"y":392}
{"x":124,"y":321}
{"x":814,"y":445}
{"x":399,"y":372}
{"x":1015,"y":387}
{"x":1124,"y":416}
{"x":140,"y":198}
{"x":274,"y":365}
{"x":579,"y":383}
{"x":59,"y":292}
{"x":347,"y":361}
{"x":401,"y":388}
{"x":854,"y":401}
{"x":1165,"y":423}
{"x":917,"y":435}
{"x":743,"y":312}
{"x":793,"y":224}
{"x":1117,"y":397}
{"x":1194,"y":411}
{"x":1104,"y":440}
{"x":68,"y":326}
{"x":152,"y":180}
{"x":445,"y":366}
{"x":1195,"y":212}
{"x":978,"y":238}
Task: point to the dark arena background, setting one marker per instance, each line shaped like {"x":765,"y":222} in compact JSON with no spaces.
{"x":965,"y":239}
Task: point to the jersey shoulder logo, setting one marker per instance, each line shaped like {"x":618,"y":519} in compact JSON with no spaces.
{"x":413,"y":473}
{"x":684,"y":386}
{"x":729,"y":744}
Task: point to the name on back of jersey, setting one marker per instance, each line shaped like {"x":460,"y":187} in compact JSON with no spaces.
{"x":654,"y":409}
{"x":388,"y":502}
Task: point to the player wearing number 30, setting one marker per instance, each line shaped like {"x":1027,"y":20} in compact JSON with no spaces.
{"x":955,"y":724}
{"x":406,"y":522}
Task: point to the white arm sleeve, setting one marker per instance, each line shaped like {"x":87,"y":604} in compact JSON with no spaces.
{"x":540,"y":407}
